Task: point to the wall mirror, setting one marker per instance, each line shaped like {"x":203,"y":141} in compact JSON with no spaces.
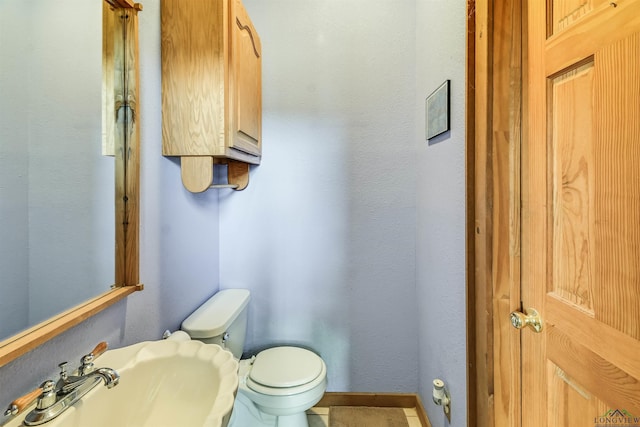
{"x":69,"y":165}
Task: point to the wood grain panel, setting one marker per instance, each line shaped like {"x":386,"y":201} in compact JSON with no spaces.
{"x":605,"y":341}
{"x":505,"y":195}
{"x":581,"y":215}
{"x":609,"y":383}
{"x":196,"y":173}
{"x":617,"y":165}
{"x":193,"y":68}
{"x":570,"y":405}
{"x":129,"y":269}
{"x":572,"y":163}
{"x":566,"y":12}
{"x":108,"y":84}
{"x":482,"y":304}
{"x":211,"y":85}
{"x":598,"y":29}
{"x":238,"y":174}
{"x":476,"y":390}
{"x":246,"y":82}
{"x":534,"y":216}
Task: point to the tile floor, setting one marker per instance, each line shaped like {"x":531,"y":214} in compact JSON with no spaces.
{"x":319,"y":417}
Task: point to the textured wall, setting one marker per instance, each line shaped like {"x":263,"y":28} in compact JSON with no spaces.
{"x":440,"y":254}
{"x":324,"y":234}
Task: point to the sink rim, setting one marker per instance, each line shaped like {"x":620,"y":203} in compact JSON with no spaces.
{"x":125,"y":359}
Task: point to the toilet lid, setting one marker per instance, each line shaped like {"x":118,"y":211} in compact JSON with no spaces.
{"x":285,"y":367}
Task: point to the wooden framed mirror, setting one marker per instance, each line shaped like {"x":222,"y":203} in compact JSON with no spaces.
{"x":118,"y":140}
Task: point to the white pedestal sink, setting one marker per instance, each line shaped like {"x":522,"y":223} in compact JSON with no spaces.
{"x":162,"y":383}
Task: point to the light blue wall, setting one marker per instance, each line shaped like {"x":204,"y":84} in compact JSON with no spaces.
{"x":440,"y":251}
{"x":351,"y":232}
{"x":324,"y":234}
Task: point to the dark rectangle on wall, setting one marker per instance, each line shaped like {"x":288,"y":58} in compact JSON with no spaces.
{"x":437,"y":111}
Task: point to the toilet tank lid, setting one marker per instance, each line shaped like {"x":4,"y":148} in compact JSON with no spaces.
{"x":215,"y":316}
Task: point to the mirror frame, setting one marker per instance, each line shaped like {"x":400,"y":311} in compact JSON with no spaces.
{"x":125,"y":146}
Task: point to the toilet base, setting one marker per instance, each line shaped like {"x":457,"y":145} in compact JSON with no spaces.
{"x":295,"y":420}
{"x":246,"y":414}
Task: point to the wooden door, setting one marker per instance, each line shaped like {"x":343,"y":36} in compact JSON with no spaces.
{"x":581,"y":213}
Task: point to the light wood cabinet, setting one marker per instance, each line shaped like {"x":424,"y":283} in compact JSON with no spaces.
{"x":211,"y":89}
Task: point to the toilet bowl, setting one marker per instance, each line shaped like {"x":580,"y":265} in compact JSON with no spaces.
{"x":284,"y":382}
{"x":276,"y":386}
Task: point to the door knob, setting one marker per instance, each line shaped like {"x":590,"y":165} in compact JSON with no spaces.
{"x":530,"y":318}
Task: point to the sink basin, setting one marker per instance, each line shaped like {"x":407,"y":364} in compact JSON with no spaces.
{"x":162,"y":383}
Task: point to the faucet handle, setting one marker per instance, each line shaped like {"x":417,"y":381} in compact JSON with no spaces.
{"x":48,"y":396}
{"x":86,"y":362}
{"x":63,"y":370}
{"x":100,"y":348}
{"x":22,"y":402}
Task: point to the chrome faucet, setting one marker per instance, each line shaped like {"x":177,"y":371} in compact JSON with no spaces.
{"x":55,"y":398}
{"x":66,"y":384}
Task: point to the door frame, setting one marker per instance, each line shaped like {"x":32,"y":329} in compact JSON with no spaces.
{"x":494,"y":121}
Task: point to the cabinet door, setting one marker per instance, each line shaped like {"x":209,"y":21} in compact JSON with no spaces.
{"x":193,"y":77}
{"x":246,"y":82}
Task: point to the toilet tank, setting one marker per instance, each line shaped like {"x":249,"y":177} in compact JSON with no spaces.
{"x":221,"y":320}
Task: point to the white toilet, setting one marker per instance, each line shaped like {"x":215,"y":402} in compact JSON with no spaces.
{"x":277,"y":385}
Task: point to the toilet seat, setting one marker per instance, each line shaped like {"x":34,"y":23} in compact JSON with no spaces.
{"x":284,"y":371}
